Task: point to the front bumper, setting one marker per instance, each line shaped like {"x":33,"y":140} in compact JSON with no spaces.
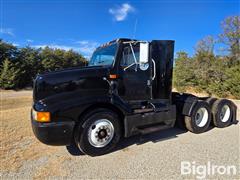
{"x":54,"y":133}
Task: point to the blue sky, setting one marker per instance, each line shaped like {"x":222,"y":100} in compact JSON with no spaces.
{"x":83,"y":25}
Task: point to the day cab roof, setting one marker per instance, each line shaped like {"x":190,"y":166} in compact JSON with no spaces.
{"x":119,"y":40}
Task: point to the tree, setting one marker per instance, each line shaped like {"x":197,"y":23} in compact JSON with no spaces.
{"x":7,"y":51}
{"x":205,"y":47}
{"x":183,"y":72}
{"x":29,"y":62}
{"x":72,"y":59}
{"x":54,"y":59}
{"x":19,"y":66}
{"x":9,"y":75}
{"x":231,"y":35}
{"x":232,"y":81}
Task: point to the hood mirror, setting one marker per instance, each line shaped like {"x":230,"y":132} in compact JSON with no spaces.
{"x":143,"y":56}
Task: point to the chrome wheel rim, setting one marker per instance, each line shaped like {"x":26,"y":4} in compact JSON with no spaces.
{"x":201,"y":117}
{"x":225,"y":113}
{"x":100,"y":133}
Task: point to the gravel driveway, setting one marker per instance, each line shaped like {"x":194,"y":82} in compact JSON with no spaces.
{"x":155,"y":156}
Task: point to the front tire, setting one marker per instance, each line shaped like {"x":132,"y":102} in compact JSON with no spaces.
{"x":99,"y":133}
{"x":200,"y":118}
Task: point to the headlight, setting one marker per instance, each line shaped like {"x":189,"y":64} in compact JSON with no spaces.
{"x":41,"y":116}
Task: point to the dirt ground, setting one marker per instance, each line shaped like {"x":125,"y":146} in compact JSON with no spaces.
{"x":157,"y":155}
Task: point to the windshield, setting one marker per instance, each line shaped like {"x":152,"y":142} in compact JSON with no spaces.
{"x":103,"y":56}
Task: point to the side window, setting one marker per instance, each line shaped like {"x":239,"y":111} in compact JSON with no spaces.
{"x":128,"y":57}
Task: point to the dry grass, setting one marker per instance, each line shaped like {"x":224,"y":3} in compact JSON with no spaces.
{"x":200,"y":93}
{"x":18,"y":143}
{"x":15,"y":103}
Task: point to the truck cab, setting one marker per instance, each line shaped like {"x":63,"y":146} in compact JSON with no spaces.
{"x":125,"y":90}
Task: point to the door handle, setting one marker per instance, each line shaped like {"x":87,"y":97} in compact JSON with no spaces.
{"x":154,"y":69}
{"x":149,"y":82}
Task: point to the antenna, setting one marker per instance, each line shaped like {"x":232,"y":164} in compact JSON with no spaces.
{"x":1,"y":16}
{"x":135,"y":28}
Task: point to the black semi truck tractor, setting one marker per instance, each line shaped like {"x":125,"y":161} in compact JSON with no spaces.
{"x":125,"y":90}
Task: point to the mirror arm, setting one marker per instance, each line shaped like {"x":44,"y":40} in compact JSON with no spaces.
{"x":135,"y":59}
{"x":129,"y":66}
{"x":105,"y":79}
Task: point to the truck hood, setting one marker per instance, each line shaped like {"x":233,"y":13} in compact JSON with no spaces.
{"x":69,"y":81}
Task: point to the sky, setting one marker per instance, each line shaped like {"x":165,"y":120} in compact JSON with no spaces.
{"x":84,"y":25}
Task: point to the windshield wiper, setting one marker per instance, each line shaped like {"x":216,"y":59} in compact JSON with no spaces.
{"x":99,"y":62}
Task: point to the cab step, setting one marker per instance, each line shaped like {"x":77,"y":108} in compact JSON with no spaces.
{"x":154,"y":128}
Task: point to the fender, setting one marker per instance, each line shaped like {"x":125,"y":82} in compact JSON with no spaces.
{"x":71,"y":108}
{"x":184,"y":103}
{"x":234,"y":118}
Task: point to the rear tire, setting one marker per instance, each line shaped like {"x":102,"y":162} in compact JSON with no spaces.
{"x":222,"y":113}
{"x":200,"y":118}
{"x":99,"y":133}
{"x":210,"y":101}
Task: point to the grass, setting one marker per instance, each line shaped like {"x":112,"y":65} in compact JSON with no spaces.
{"x":18,"y":144}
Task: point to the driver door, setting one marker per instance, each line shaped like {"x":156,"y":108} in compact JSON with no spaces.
{"x":135,"y":83}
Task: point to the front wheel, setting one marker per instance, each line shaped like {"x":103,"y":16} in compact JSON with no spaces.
{"x":99,"y":133}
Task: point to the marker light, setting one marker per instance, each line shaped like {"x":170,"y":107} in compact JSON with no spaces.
{"x":41,"y":116}
{"x":113,"y":76}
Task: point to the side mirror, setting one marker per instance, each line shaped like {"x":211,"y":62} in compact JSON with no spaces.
{"x":143,"y":57}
